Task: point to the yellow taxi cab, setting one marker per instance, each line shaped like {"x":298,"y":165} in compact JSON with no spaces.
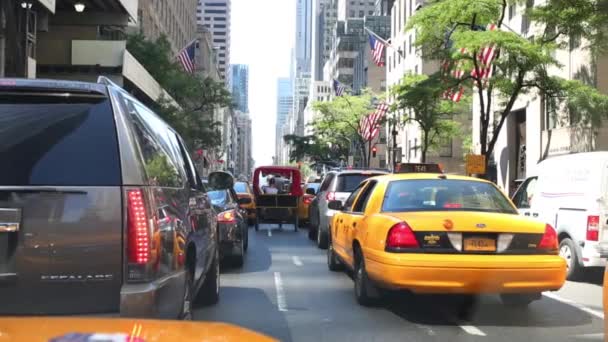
{"x":60,"y":329}
{"x":310,"y":190}
{"x":244,"y":190}
{"x":444,"y":234}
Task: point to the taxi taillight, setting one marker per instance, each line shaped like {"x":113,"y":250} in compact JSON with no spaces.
{"x":401,"y":236}
{"x":549,"y":239}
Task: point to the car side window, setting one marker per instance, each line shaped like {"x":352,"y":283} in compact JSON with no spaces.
{"x":361,"y":203}
{"x":161,"y":164}
{"x":326,"y":182}
{"x":523,"y":197}
{"x":192,"y":175}
{"x":351,"y":199}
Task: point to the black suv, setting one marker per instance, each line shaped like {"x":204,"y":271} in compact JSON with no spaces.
{"x":101,"y":207}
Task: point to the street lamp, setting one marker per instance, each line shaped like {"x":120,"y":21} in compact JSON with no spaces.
{"x":79,"y":7}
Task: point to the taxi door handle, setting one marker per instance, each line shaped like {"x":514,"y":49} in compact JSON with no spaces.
{"x":341,"y":220}
{"x":354,"y":224}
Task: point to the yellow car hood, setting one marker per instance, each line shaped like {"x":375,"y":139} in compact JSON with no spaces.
{"x":59,"y":329}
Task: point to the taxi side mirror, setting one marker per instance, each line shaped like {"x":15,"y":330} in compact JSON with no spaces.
{"x":335,"y":205}
{"x":310,"y":191}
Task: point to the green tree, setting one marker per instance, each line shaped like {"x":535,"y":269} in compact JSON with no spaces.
{"x":197,"y":97}
{"x":339,"y":120}
{"x":314,"y":148}
{"x":522,"y":64}
{"x":422,"y":96}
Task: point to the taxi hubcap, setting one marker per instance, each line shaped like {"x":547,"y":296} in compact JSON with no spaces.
{"x":566,"y":253}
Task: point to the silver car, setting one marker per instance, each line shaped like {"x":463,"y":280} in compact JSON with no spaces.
{"x":336,"y":186}
{"x":101,"y":207}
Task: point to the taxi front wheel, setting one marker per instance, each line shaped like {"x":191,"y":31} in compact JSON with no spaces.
{"x":519,"y":300}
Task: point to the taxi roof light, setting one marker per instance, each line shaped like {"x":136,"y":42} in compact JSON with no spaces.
{"x":418,"y":168}
{"x":401,"y":236}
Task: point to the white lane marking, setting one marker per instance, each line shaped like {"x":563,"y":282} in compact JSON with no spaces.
{"x":269,"y":232}
{"x":428,"y":329}
{"x":296,"y":260}
{"x":278,"y":283}
{"x":469,"y":329}
{"x":581,"y":307}
{"x":472,"y":330}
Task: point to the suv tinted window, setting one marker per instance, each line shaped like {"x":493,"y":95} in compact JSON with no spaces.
{"x":348,"y":182}
{"x":47,"y":140}
{"x":161,"y":162}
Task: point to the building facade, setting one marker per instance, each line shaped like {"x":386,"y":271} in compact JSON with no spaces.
{"x":215,"y":16}
{"x":239,"y":81}
{"x":284,"y":107}
{"x":243,"y":165}
{"x":176,"y":20}
{"x":303,"y":48}
{"x":355,"y":9}
{"x":324,"y":19}
{"x":404,"y":59}
{"x":535,"y":131}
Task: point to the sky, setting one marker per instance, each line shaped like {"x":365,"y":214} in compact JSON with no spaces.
{"x":262,"y":36}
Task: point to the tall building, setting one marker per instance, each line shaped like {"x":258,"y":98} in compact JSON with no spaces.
{"x":325,"y":13}
{"x":239,"y":81}
{"x":173,"y":19}
{"x":383,"y":7}
{"x":303,"y":35}
{"x":284,"y":107}
{"x":243,"y":155}
{"x":215,"y":16}
{"x":355,"y":9}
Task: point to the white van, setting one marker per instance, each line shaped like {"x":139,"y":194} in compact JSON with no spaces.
{"x":571,"y":194}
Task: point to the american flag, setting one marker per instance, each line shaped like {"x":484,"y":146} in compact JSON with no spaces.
{"x":486,"y":57}
{"x":369,"y":125}
{"x":186,"y":57}
{"x":338,"y":88}
{"x":377,"y":47}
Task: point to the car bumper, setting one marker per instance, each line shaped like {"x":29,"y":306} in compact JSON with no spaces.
{"x":155,"y":299}
{"x":326,"y":220}
{"x":592,"y":255}
{"x":468,"y":274}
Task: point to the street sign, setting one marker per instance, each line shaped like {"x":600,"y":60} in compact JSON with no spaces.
{"x":476,"y":164}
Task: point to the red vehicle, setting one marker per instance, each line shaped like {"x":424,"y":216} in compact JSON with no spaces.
{"x":280,"y":205}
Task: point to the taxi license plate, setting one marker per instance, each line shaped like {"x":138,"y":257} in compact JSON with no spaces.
{"x":479,"y":244}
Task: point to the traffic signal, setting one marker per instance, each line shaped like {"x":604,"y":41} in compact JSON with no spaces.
{"x":374,"y":150}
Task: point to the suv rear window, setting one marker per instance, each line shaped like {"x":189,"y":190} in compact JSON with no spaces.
{"x":46,"y":140}
{"x":349,"y":181}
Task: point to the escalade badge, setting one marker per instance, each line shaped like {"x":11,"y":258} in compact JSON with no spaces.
{"x":481,"y":225}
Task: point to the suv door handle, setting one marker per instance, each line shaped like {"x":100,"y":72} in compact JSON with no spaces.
{"x":526,"y":214}
{"x":535,"y":214}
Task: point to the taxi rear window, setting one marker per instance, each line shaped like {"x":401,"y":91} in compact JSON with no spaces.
{"x":444,"y":195}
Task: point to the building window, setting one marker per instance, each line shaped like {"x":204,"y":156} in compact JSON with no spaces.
{"x":219,"y":25}
{"x":445,"y":147}
{"x":352,"y":13}
{"x":219,"y":18}
{"x":512,"y":11}
{"x":410,"y":49}
{"x":370,"y":13}
{"x":389,"y":63}
{"x":550,"y":114}
{"x":416,"y":70}
{"x":361,"y":14}
{"x":219,"y":40}
{"x":218,"y":11}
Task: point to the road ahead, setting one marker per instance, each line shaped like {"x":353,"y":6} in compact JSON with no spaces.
{"x":286,"y":291}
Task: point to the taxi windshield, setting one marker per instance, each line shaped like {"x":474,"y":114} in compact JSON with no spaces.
{"x":240,"y":187}
{"x":444,"y":195}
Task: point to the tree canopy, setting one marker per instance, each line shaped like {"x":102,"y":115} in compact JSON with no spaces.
{"x":197,"y":96}
{"x":422,"y":96}
{"x":454,"y":33}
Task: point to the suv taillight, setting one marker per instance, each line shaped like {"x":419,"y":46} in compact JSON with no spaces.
{"x":549,"y":239}
{"x":593,"y":228}
{"x":138,"y":249}
{"x":401,"y":236}
{"x":330,"y":196}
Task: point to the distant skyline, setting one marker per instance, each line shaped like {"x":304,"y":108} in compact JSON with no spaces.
{"x":263,"y":33}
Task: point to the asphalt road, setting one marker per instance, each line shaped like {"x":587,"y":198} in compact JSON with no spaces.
{"x":286,"y":291}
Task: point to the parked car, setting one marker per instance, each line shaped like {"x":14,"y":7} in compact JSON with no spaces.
{"x":244,"y":190}
{"x":571,"y":193}
{"x":91,"y":171}
{"x":232,"y":222}
{"x":337,"y":185}
{"x":445,"y":234}
{"x":310,"y":190}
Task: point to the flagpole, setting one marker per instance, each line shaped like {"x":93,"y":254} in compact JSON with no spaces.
{"x":384,"y":41}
